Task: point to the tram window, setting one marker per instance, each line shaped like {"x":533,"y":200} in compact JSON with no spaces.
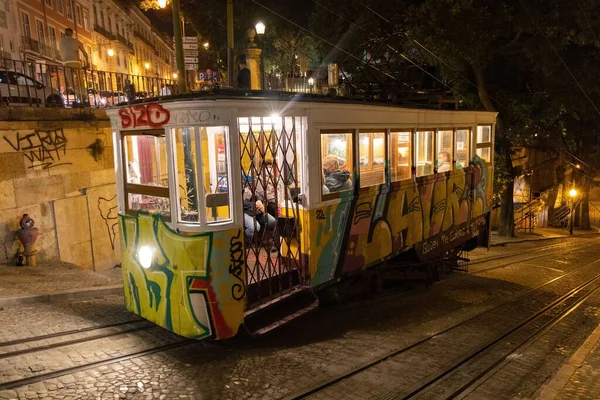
{"x":336,"y":157}
{"x":484,"y":142}
{"x":444,"y":149}
{"x":461,"y":148}
{"x":424,"y":152}
{"x":187,"y":172}
{"x":371,"y":150}
{"x":215,"y":170}
{"x":147,"y":184}
{"x":400,"y":155}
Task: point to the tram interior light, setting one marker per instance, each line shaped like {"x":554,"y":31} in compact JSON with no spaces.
{"x":145,"y":256}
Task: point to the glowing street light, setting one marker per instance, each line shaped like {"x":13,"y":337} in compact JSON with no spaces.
{"x":162,"y":3}
{"x":260,"y":28}
{"x":110,"y":52}
{"x":572,"y":194}
{"x":147,"y":65}
{"x":205,"y":45}
{"x":174,"y":75}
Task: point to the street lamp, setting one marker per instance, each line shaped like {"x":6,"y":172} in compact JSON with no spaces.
{"x":206,"y":45}
{"x":572,"y":194}
{"x":178,"y":42}
{"x":260,"y":30}
{"x":147,"y":65}
{"x":110,"y":52}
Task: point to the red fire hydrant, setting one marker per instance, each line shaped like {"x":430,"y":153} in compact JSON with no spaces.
{"x":28,"y":235}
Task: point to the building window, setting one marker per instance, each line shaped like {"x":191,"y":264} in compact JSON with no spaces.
{"x":119,"y":58}
{"x":400,"y":155}
{"x":49,"y":3}
{"x":336,"y":162}
{"x":109,"y":26}
{"x":11,"y":44}
{"x":69,"y":9}
{"x":39,"y":25}
{"x":444,"y":148}
{"x":371,"y":151}
{"x":86,"y":19}
{"x":25,"y":25}
{"x":59,"y":6}
{"x":52,"y":36}
{"x":78,"y":14}
{"x":95,"y":15}
{"x":101,"y":18}
{"x":484,"y":142}
{"x":461,"y":148}
{"x":424,"y":152}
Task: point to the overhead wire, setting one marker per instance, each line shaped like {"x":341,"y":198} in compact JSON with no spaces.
{"x":353,"y":56}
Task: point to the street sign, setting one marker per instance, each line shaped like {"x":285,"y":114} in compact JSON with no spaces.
{"x":190,"y":46}
{"x":190,"y":53}
{"x":191,"y":60}
{"x":191,"y":67}
{"x":190,"y":39}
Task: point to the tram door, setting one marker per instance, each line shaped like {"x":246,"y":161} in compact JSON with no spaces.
{"x":270,"y":182}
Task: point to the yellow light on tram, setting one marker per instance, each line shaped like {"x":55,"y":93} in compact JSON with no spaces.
{"x":110,"y":52}
{"x":573,"y":193}
{"x":145,"y":256}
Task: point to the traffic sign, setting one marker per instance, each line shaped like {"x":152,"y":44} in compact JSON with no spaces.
{"x":191,"y":60}
{"x":190,"y":39}
{"x":190,"y":46}
{"x":191,"y":67}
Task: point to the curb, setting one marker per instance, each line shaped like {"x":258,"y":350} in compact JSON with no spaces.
{"x":73,"y":294}
{"x":543,"y":238}
{"x":552,"y":389}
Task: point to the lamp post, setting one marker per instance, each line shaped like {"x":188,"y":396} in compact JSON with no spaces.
{"x":260,"y":31}
{"x":178,"y":43}
{"x":572,"y":194}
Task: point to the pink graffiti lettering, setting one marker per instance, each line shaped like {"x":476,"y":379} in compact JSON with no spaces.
{"x":146,"y":115}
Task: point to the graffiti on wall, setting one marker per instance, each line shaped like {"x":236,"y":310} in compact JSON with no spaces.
{"x":43,"y":148}
{"x":144,"y":115}
{"x":108,"y":213}
{"x":444,"y":208}
{"x":181,"y":291}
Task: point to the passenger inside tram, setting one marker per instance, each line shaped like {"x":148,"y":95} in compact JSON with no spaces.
{"x":444,"y":162}
{"x":336,"y":178}
{"x":255,"y":214}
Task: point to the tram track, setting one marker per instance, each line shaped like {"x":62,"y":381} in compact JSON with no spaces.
{"x":322,"y":386}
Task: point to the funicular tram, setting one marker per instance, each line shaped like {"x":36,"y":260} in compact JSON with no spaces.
{"x":231,"y":205}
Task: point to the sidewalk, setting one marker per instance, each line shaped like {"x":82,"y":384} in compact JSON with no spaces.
{"x":540,"y":234}
{"x":579,"y":377}
{"x":55,"y":280}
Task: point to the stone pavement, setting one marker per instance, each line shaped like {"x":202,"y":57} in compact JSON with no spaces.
{"x":578,"y":378}
{"x":540,"y":234}
{"x":55,"y":280}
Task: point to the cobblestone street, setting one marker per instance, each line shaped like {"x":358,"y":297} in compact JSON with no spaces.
{"x":132,"y":359}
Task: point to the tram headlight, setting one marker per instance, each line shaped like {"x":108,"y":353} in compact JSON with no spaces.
{"x":145,"y":256}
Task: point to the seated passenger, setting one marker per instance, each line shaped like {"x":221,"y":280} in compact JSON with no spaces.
{"x":335,"y":179}
{"x":444,"y":162}
{"x":254,"y":210}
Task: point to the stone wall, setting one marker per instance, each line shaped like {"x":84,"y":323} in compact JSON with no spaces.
{"x":57,"y":166}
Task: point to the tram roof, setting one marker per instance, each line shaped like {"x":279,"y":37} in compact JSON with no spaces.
{"x":272,"y":95}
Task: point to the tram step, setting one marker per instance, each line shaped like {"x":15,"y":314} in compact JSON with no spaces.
{"x":280,"y":311}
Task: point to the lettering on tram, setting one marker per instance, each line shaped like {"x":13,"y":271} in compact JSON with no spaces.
{"x":229,"y":220}
{"x":145,"y":115}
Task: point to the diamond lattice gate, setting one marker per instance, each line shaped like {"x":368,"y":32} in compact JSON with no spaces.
{"x":270,"y":160}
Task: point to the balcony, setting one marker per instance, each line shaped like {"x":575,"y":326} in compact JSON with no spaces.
{"x":37,"y":47}
{"x":104,"y":32}
{"x":143,"y":39}
{"x":125,"y":42}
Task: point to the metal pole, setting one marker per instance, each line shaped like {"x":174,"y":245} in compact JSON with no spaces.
{"x":179,"y":47}
{"x":571,"y":223}
{"x":230,"y":43}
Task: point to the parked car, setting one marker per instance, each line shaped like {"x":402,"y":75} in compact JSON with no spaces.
{"x":16,"y":87}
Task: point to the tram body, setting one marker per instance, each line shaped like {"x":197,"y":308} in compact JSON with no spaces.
{"x":184,"y":167}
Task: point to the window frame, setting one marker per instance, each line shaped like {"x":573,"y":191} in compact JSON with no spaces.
{"x":39,"y":23}
{"x":69,"y":7}
{"x":411,"y":157}
{"x":484,"y":145}
{"x":60,"y":7}
{"x":436,"y":150}
{"x":26,"y":32}
{"x":354,"y":151}
{"x":370,"y":167}
{"x":468,"y":144}
{"x":433,"y":132}
{"x":134,"y":188}
{"x":202,"y":224}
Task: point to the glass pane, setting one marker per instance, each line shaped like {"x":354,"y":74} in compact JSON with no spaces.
{"x":485,"y":153}
{"x":153,"y":204}
{"x":336,"y":156}
{"x":461,"y":151}
{"x":400,"y":155}
{"x":215,"y":170}
{"x":484,"y":134}
{"x":444,"y":149}
{"x":424,"y":152}
{"x":372,"y":158}
{"x":363,"y":150}
{"x":146,"y":160}
{"x":187,"y":172}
